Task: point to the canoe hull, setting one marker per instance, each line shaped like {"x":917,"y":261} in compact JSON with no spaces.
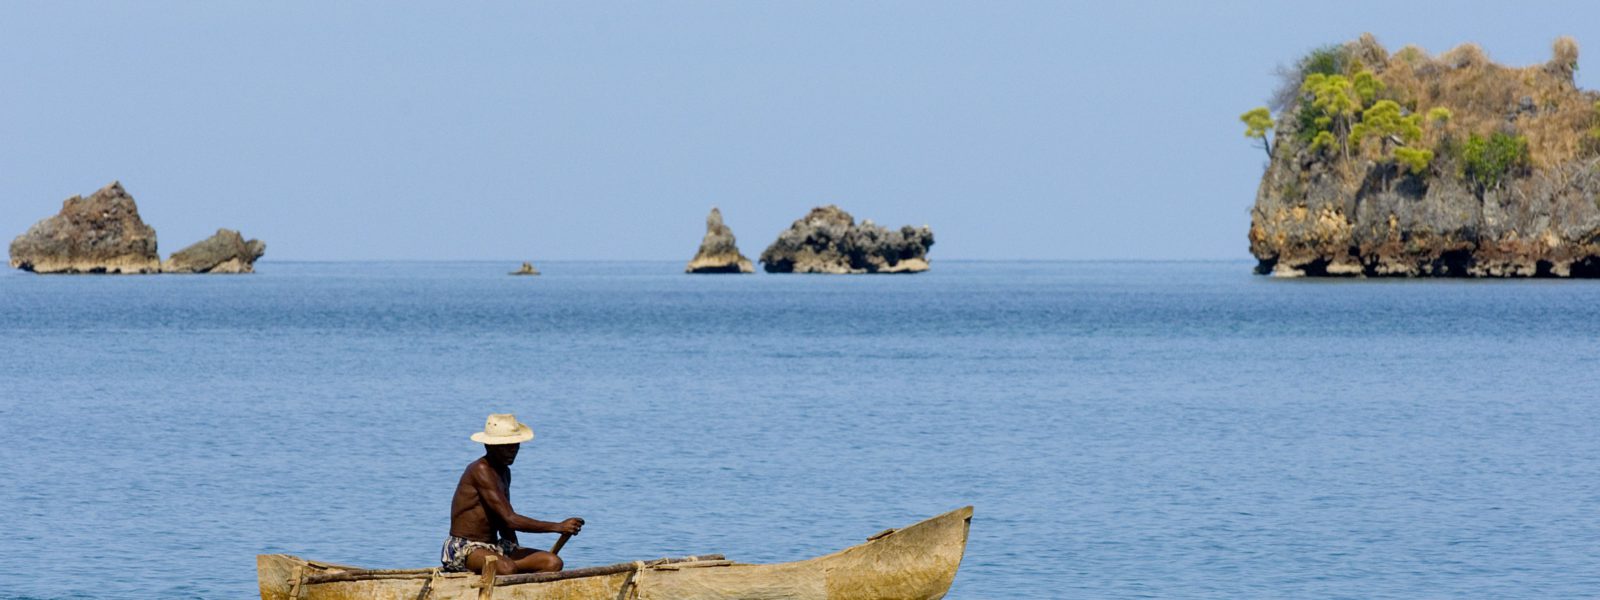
{"x":915,"y":563}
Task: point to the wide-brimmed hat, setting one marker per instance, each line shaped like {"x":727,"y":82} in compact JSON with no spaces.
{"x":503,"y":429}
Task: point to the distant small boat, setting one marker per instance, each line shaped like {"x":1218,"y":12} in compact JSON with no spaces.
{"x":915,"y":563}
{"x":527,"y":269}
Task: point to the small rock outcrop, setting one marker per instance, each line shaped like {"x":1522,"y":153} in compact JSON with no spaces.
{"x":527,"y":269}
{"x":828,"y":240}
{"x":718,"y":251}
{"x":224,"y":252}
{"x":99,"y":234}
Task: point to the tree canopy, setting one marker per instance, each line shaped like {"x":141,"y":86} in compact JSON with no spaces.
{"x":1384,"y":121}
{"x":1257,"y":122}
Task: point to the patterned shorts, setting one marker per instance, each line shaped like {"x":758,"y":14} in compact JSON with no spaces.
{"x":456,"y":549}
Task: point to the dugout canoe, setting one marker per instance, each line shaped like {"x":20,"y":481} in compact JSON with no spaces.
{"x":914,"y":563}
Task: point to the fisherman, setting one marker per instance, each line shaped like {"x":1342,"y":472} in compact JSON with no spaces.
{"x":482,"y":523}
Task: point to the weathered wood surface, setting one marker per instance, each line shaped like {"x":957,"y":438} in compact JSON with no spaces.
{"x":485,"y":582}
{"x":339,"y":575}
{"x":914,"y":563}
{"x":605,"y":570}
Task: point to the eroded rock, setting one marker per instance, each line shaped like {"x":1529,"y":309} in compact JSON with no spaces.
{"x":98,"y":234}
{"x":226,"y":251}
{"x":719,"y":253}
{"x":828,"y":240}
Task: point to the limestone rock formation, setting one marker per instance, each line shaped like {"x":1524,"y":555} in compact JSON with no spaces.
{"x":1483,"y":171}
{"x":224,"y":252}
{"x":99,"y":234}
{"x":718,"y":251}
{"x":828,"y":240}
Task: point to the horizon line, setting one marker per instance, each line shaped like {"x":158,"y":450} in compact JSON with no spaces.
{"x":664,"y":260}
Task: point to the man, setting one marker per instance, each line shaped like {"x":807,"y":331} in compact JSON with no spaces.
{"x":482,"y":523}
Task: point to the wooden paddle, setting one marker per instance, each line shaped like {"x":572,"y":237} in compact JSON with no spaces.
{"x":556,"y":549}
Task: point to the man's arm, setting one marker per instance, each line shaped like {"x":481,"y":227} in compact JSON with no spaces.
{"x":488,"y":484}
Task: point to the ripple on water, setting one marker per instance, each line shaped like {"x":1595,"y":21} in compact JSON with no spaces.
{"x":1125,"y":430}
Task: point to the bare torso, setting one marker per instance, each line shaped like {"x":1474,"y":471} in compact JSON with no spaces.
{"x":470,"y":515}
{"x":481,"y":511}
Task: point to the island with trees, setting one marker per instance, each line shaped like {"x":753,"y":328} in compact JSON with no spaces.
{"x":1411,"y":165}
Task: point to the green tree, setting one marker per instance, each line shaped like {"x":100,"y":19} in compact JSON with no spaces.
{"x":1416,"y":159}
{"x":1385,"y":122}
{"x":1487,"y":161}
{"x":1440,"y":115}
{"x":1366,"y":86}
{"x":1323,"y":141}
{"x":1333,"y":96}
{"x":1257,"y":122}
{"x":1327,"y":60}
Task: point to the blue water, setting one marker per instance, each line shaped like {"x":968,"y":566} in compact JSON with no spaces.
{"x":1124,"y":430}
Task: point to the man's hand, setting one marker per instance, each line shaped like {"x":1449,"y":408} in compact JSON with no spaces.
{"x":570,"y":526}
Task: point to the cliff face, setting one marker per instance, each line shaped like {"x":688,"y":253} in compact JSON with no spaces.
{"x":828,"y":240}
{"x":1483,"y":171}
{"x":99,"y":234}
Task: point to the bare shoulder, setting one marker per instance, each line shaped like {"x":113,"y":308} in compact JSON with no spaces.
{"x":476,"y":473}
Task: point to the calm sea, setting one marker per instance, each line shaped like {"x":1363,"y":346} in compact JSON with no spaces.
{"x":1124,"y":430}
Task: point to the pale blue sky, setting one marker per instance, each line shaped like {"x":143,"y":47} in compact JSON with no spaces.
{"x":388,"y":130}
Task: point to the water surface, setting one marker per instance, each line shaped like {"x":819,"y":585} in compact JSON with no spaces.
{"x":1125,"y":430}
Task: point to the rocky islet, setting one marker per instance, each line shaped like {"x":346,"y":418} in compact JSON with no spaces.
{"x":719,"y":251}
{"x":828,"y":240}
{"x":103,"y":233}
{"x":226,"y":251}
{"x":1471,"y":169}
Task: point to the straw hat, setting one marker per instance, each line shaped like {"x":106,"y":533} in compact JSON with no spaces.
{"x":503,"y":429}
